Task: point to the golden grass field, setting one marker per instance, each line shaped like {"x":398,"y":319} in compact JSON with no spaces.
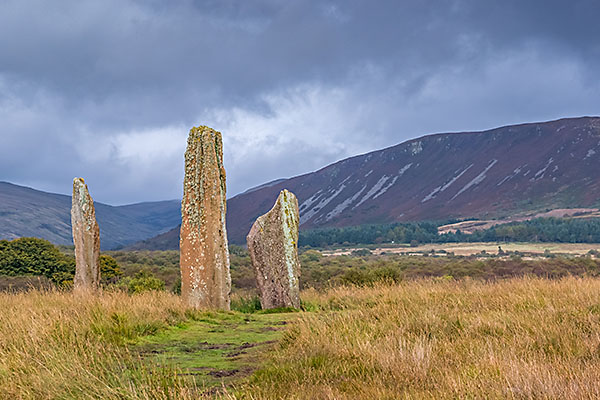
{"x":522,"y":338}
{"x":57,"y":346}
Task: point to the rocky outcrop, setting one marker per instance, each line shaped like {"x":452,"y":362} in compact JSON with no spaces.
{"x":86,"y":237}
{"x":273,"y":248}
{"x":204,"y":255}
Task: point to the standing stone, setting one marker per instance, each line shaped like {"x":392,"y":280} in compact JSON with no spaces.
{"x":86,"y":237}
{"x":273,"y":248}
{"x":204,"y":255}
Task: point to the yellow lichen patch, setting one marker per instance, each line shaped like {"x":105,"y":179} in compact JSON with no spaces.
{"x":206,"y":282}
{"x":272,"y":243}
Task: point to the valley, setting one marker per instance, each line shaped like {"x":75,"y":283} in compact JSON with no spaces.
{"x":433,"y":268}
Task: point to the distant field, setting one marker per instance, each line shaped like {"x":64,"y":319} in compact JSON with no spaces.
{"x":475,"y":225}
{"x":467,"y":249}
{"x":357,"y":265}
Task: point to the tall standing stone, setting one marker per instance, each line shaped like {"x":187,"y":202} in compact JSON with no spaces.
{"x":86,"y":237}
{"x":273,"y":248}
{"x":204,"y":255}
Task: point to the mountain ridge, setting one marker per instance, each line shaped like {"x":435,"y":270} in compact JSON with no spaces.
{"x":414,"y":178}
{"x":426,"y":195}
{"x":25,"y":211}
{"x":487,"y":174}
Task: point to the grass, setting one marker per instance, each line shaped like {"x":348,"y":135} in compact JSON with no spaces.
{"x":55,"y":345}
{"x":216,"y":349}
{"x":520,"y":338}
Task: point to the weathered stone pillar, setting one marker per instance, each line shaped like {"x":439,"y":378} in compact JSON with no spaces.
{"x":204,"y":255}
{"x":273,"y":248}
{"x":86,"y":237}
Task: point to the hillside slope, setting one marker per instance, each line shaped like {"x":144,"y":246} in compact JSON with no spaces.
{"x":487,"y":175}
{"x":497,"y":173}
{"x":494,"y":173}
{"x":28,"y":212}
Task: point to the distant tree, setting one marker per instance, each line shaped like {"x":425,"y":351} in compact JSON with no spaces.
{"x":311,"y":255}
{"x":237,"y":250}
{"x":573,"y":230}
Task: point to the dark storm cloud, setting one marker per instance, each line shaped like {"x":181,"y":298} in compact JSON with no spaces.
{"x":108,"y":90}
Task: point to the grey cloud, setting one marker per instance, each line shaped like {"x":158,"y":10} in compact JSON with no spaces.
{"x":78,"y":78}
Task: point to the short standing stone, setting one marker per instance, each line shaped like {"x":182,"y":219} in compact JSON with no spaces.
{"x":86,"y":237}
{"x":273,"y":248}
{"x":204,"y":255}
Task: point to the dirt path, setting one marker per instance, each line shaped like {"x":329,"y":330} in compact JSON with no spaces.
{"x":216,"y":350}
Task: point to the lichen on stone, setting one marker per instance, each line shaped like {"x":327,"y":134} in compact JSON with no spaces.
{"x":272,"y":243}
{"x":206,"y":281}
{"x":86,"y":238}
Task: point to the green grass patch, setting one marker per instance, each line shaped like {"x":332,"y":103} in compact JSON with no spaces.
{"x":215,"y":348}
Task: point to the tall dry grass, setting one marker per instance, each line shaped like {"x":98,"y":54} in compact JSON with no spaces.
{"x":55,"y":345}
{"x":522,"y":338}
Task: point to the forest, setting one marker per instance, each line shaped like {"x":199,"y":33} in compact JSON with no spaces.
{"x":561,"y":230}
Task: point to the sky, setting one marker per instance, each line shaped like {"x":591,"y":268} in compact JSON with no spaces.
{"x":108,"y":90}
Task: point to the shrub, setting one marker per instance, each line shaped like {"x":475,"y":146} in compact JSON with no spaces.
{"x":386,"y":274}
{"x":32,"y":256}
{"x":176,"y":288}
{"x":109,"y":269}
{"x":38,"y":257}
{"x":141,"y":282}
{"x":246,"y":304}
{"x":361,"y":252}
{"x":311,"y":256}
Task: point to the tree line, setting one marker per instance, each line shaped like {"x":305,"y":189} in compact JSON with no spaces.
{"x":562,"y":230}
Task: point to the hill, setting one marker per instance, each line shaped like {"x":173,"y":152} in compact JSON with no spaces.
{"x":512,"y":172}
{"x":28,"y":212}
{"x":165,"y":241}
{"x":491,"y":174}
{"x":501,"y":173}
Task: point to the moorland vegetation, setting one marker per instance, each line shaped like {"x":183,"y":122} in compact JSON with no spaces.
{"x":137,"y":271}
{"x":425,"y":338}
{"x":387,"y":326}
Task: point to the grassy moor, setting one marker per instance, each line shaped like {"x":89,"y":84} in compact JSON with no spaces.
{"x":426,"y":338}
{"x":385,"y":200}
